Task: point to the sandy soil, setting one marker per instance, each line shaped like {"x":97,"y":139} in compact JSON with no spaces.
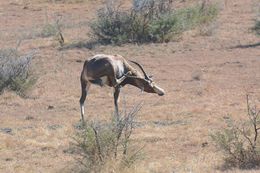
{"x":206,"y":79}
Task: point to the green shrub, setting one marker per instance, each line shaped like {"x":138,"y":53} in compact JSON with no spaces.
{"x":239,"y":141}
{"x":188,"y":18}
{"x":148,"y":21}
{"x":15,"y":71}
{"x":163,"y":28}
{"x":102,"y":144}
{"x":112,"y":26}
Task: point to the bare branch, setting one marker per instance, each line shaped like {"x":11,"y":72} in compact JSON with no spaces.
{"x":245,"y":135}
{"x":98,"y":144}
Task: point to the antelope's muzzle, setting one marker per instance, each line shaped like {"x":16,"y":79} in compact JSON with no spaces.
{"x":159,"y":90}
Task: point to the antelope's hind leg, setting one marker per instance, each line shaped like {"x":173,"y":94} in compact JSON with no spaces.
{"x":116,"y":96}
{"x":84,"y":91}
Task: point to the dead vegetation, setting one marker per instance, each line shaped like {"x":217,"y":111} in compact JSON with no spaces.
{"x":101,"y":144}
{"x":240,"y":141}
{"x":173,"y":129}
{"x":256,"y":28}
{"x":148,"y":21}
{"x":15,"y":71}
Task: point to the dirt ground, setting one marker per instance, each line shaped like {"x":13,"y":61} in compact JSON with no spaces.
{"x":206,"y":79}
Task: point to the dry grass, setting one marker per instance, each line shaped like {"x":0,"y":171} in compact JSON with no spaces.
{"x":239,"y":141}
{"x":174,"y":129}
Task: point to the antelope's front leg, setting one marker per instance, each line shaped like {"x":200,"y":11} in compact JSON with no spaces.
{"x":84,"y":91}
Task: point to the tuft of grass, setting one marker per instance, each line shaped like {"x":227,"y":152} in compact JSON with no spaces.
{"x":149,"y":21}
{"x":240,"y":141}
{"x":53,"y":30}
{"x":100,"y":144}
{"x":257,"y":27}
{"x":49,"y":30}
{"x":15,"y":71}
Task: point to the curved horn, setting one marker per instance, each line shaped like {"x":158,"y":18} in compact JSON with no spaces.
{"x":145,"y":75}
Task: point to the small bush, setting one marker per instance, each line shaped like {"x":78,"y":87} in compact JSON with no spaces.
{"x":101,"y":145}
{"x":53,"y":30}
{"x":49,"y":30}
{"x":148,"y":21}
{"x":15,"y":71}
{"x":112,"y":26}
{"x":240,"y":142}
{"x":163,"y":28}
{"x":257,"y":27}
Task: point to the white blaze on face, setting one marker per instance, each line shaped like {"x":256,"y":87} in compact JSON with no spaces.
{"x":158,"y":90}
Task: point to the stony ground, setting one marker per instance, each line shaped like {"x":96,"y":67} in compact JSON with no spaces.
{"x":206,"y":75}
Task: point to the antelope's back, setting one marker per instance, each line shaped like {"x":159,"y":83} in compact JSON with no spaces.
{"x":97,"y":67}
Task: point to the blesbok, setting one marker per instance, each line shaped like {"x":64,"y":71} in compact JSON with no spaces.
{"x":116,"y":72}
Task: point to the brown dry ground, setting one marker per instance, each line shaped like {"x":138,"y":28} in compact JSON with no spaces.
{"x":176,"y":125}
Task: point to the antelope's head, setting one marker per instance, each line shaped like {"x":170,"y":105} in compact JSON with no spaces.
{"x":147,"y":84}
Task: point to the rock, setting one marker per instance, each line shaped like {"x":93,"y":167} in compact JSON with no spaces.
{"x":6,"y":130}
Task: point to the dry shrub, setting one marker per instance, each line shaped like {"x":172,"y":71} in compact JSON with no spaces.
{"x":52,"y":29}
{"x":240,"y":141}
{"x":148,"y":21}
{"x":257,"y":27}
{"x":15,"y":71}
{"x":101,"y":145}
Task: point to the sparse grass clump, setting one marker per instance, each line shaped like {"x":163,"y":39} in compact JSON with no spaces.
{"x":257,"y":27}
{"x":107,"y":147}
{"x":53,"y":30}
{"x":49,"y":30}
{"x":240,"y":141}
{"x":148,"y":21}
{"x":15,"y":71}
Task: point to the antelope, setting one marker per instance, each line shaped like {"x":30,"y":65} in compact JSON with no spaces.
{"x":113,"y":71}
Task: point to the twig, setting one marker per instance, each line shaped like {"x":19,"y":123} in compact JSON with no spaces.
{"x":98,"y":144}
